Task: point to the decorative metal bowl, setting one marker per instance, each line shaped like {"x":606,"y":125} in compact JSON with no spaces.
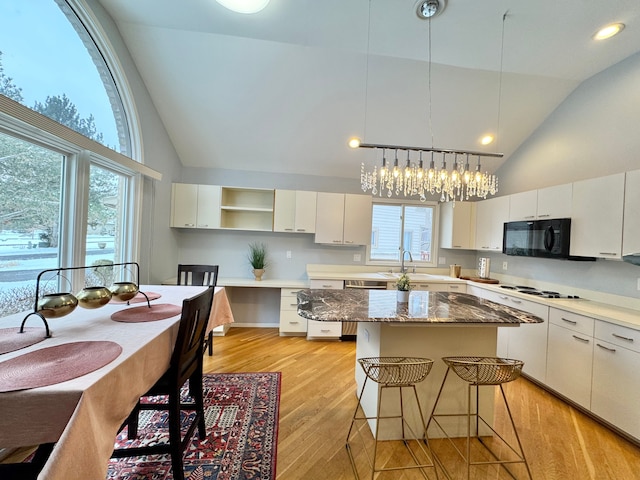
{"x":124,"y":291}
{"x":94,"y":297}
{"x":56,"y":305}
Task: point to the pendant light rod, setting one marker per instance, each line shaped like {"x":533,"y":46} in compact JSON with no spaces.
{"x":430,"y":149}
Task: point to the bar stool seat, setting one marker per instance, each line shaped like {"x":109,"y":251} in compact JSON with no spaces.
{"x":480,"y":372}
{"x":400,"y":373}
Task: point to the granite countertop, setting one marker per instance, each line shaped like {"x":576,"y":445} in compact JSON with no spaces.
{"x":425,"y":307}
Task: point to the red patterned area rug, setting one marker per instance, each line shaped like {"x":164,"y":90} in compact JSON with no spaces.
{"x":241,"y":412}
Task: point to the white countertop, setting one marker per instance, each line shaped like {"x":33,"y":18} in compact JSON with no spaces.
{"x":266,"y":283}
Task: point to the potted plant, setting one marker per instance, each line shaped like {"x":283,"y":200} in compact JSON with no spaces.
{"x":257,"y":259}
{"x":403,"y":284}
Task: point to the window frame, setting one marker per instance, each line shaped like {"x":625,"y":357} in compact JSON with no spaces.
{"x":434,"y":238}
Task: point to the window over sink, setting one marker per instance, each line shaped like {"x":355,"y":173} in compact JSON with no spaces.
{"x":397,"y":228}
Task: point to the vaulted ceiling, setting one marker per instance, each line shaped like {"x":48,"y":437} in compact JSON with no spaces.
{"x":284,"y":89}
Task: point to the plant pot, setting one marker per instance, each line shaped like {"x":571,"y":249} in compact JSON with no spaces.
{"x":258,"y":272}
{"x":403,"y":296}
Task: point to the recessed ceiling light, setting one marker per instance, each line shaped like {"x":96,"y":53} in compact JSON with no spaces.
{"x":244,"y":6}
{"x":354,"y":142}
{"x":609,"y":31}
{"x":486,"y":140}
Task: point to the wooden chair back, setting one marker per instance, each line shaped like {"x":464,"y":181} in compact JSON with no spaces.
{"x":198,"y":275}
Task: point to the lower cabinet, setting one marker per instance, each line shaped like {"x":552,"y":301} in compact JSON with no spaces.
{"x":325,"y":330}
{"x":527,"y":342}
{"x":570,"y":355}
{"x":290,"y":322}
{"x":616,"y":385}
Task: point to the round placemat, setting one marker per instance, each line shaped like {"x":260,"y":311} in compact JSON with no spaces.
{"x":139,"y":298}
{"x":158,"y":311}
{"x":56,"y":364}
{"x":11,"y":339}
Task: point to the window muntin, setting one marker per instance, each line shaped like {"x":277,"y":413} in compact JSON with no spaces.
{"x":400,"y":227}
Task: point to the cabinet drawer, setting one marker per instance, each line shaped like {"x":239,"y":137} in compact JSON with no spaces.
{"x":528,"y":306}
{"x":324,"y":329}
{"x":327,"y":284}
{"x":288,"y":299}
{"x":618,"y":335}
{"x":572,"y":321}
{"x":291,"y":322}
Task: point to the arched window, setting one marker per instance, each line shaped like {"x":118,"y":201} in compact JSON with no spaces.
{"x":67,"y":200}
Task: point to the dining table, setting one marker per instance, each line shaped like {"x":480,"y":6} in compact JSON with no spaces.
{"x":47,"y":395}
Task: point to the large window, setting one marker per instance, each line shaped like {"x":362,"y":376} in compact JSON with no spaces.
{"x":398,"y":230}
{"x":66,"y":200}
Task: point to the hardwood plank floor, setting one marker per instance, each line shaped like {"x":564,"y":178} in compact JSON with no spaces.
{"x":318,"y":398}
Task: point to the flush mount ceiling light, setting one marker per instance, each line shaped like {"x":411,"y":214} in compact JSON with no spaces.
{"x":486,"y":140}
{"x":244,"y":6}
{"x":416,"y":178}
{"x":430,"y":8}
{"x":609,"y":31}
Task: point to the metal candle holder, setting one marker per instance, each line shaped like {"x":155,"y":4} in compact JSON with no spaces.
{"x":67,"y":302}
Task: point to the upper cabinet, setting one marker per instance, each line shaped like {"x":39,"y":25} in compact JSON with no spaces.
{"x":457,"y":225}
{"x":294,"y":211}
{"x":631,"y":228}
{"x":596,"y":217}
{"x":491,"y":216}
{"x":195,"y":206}
{"x":343,"y":219}
{"x":549,"y":202}
{"x":246,"y":208}
{"x":555,"y":202}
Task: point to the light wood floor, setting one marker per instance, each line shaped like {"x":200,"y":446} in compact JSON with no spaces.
{"x":318,"y":397}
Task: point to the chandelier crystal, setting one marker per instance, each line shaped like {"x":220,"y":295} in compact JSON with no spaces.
{"x":413,"y":179}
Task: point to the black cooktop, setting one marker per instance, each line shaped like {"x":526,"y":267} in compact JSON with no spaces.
{"x":536,"y":292}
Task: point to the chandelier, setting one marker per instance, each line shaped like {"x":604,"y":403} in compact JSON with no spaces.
{"x":460,"y":181}
{"x":449,"y":172}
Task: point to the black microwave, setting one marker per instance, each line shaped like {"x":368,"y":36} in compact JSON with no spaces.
{"x":538,"y":238}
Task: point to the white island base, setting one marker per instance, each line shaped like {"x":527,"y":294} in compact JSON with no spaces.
{"x":377,"y":339}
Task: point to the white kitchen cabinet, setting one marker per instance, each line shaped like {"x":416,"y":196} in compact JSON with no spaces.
{"x":458,"y":225}
{"x":523,"y":206}
{"x":631,"y":228}
{"x":491,"y":216}
{"x":596,"y":217}
{"x":570,"y":355}
{"x":528,"y":342}
{"x":343,"y":219}
{"x":554,"y":202}
{"x":294,"y":211}
{"x":290,"y":322}
{"x":195,"y":206}
{"x":616,"y":385}
{"x":325,"y":330}
{"x":246,"y":208}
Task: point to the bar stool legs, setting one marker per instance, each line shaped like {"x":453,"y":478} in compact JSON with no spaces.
{"x":401,"y":373}
{"x":482,"y":372}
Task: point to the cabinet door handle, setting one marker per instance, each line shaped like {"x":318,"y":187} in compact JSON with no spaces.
{"x":454,"y":287}
{"x":612,"y":350}
{"x":457,"y":246}
{"x":622,"y":338}
{"x":544,"y":215}
{"x":585,"y":340}
{"x":288,"y":229}
{"x":502,"y":297}
{"x":348,"y":241}
{"x":301,"y":229}
{"x":293,"y":304}
{"x":608,"y":253}
{"x":516,"y":301}
{"x":336,"y":241}
{"x":325,"y":330}
{"x":294,"y":323}
{"x":572,"y":322}
{"x":529,"y":216}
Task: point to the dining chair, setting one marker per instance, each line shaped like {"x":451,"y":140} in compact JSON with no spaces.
{"x":199,"y":275}
{"x":185,"y":365}
{"x":28,"y":470}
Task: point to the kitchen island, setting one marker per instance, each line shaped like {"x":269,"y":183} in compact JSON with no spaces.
{"x":430,"y":324}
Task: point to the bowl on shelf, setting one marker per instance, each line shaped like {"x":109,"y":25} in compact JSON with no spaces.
{"x":94,"y":297}
{"x":124,"y":291}
{"x":56,"y":305}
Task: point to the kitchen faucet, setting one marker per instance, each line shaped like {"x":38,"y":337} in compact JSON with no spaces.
{"x":404,"y":252}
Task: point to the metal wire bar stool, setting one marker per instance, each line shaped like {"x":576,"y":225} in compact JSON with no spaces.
{"x":477,"y":372}
{"x":400,"y":373}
